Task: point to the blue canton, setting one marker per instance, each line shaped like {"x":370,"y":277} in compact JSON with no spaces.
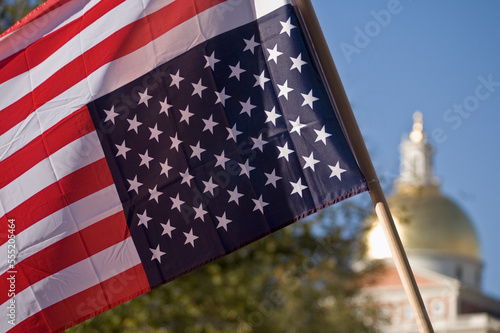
{"x":223,"y":145}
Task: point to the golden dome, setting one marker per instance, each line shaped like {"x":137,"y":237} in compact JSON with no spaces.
{"x":427,"y":221}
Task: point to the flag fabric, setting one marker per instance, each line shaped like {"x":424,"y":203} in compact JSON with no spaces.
{"x":140,"y":140}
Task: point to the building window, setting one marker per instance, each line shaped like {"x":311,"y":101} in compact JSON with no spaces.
{"x":437,"y":308}
{"x":458,"y":272}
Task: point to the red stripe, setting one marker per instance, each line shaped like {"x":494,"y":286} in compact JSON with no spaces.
{"x":66,"y":131}
{"x":40,"y":50}
{"x":4,"y":62}
{"x":68,"y":251}
{"x":123,"y":42}
{"x":88,"y":303}
{"x":58,"y":195}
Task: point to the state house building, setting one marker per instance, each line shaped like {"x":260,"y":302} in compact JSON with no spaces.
{"x":442,"y":247}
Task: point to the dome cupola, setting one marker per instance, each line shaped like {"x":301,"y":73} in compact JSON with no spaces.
{"x":416,"y":158}
{"x":436,"y":233}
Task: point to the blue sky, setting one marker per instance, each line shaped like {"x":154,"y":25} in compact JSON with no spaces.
{"x":439,"y":57}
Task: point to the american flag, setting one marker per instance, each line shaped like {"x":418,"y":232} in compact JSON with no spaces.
{"x":143,"y":139}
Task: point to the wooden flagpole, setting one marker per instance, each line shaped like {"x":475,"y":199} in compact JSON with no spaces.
{"x":360,"y":151}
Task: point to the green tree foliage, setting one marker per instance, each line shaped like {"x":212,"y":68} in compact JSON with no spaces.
{"x":12,"y":11}
{"x":299,"y":279}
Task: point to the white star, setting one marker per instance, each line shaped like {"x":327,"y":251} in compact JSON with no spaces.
{"x":287,"y":27}
{"x":155,"y":133}
{"x":175,"y":142}
{"x":145,"y":159}
{"x":211,"y":61}
{"x":165,"y":168}
{"x":298,"y":187}
{"x":259,"y":204}
{"x":234,"y":196}
{"x":251,"y":44}
{"x":221,"y":160}
{"x":310,"y":162}
{"x":200,"y":213}
{"x":176,"y":203}
{"x":198,"y":89}
{"x":337,"y":171}
{"x":111,"y":114}
{"x":134,"y":185}
{"x":284,"y":89}
{"x":272,"y":116}
{"x":209,"y":124}
{"x":232,"y":133}
{"x":309,"y":99}
{"x":185,"y":115}
{"x":134,"y":124}
{"x":197,"y":150}
{"x":154,"y":194}
{"x":176,"y":79}
{"x":157,"y":254}
{"x":210,"y":186}
{"x":272,"y":178}
{"x":167,"y":229}
{"x":259,"y":143}
{"x":297,"y":126}
{"x":284,"y":151}
{"x":165,"y":106}
{"x":246,"y":168}
{"x":222,"y":97}
{"x":143,"y":219}
{"x":246,"y":107}
{"x":186,"y":177}
{"x":260,"y":80}
{"x":190,"y":237}
{"x":223,"y":221}
{"x":274,"y":54}
{"x":236,"y":71}
{"x":122,"y":150}
{"x":298,"y":63}
{"x":322,"y":135}
{"x":144,"y":98}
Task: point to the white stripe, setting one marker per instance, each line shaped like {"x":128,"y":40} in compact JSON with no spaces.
{"x":65,"y":222}
{"x":115,"y":74}
{"x":2,"y":211}
{"x":16,"y":88}
{"x":31,"y":32}
{"x":72,"y":280}
{"x":37,"y":123}
{"x":66,"y":160}
{"x":264,"y":7}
